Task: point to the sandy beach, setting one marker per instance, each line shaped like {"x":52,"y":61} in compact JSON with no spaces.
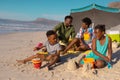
{"x":20,"y":45}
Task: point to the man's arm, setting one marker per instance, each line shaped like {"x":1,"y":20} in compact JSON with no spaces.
{"x":57,"y":27}
{"x":96,"y":52}
{"x":70,"y":45}
{"x":73,"y":33}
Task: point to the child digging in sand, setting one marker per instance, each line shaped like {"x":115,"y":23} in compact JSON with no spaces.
{"x":52,"y":47}
{"x":100,"y":44}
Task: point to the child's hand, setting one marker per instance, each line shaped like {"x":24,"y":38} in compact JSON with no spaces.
{"x":107,"y":59}
{"x":36,"y":48}
{"x":62,"y":53}
{"x":44,"y":50}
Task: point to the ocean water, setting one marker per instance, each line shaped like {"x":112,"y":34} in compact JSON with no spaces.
{"x":10,"y":28}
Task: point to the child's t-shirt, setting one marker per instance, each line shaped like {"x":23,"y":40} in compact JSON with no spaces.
{"x":82,"y":31}
{"x":52,"y":49}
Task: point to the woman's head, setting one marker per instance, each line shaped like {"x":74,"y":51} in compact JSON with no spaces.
{"x":52,"y":37}
{"x":99,"y":31}
{"x":86,"y":22}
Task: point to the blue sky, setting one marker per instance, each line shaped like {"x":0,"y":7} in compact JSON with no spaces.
{"x":52,"y":9}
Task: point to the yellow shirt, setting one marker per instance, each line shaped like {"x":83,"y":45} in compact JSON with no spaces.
{"x":86,"y":36}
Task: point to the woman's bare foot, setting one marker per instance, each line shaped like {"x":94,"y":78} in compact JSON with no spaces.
{"x":21,"y":61}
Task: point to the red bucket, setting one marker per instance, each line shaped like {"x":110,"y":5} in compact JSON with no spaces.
{"x":37,"y":63}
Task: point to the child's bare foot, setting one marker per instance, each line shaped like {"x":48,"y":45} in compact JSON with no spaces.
{"x":21,"y":61}
{"x":48,"y":68}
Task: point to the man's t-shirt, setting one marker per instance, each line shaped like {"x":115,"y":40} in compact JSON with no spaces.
{"x":52,"y":49}
{"x":64,"y":33}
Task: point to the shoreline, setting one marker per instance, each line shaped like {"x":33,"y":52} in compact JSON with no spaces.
{"x":14,"y":32}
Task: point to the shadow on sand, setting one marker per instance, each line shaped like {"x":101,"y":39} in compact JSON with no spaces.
{"x":64,"y":59}
{"x":116,"y":57}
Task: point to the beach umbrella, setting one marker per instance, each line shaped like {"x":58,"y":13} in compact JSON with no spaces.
{"x":98,"y":14}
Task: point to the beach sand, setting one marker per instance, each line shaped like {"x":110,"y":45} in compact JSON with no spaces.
{"x":15,"y":46}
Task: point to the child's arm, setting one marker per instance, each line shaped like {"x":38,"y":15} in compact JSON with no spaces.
{"x":110,"y":49}
{"x":97,"y":53}
{"x":44,"y":49}
{"x":56,"y":54}
{"x":38,"y":48}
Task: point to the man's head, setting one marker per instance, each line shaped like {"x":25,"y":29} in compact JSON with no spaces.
{"x":86,"y":22}
{"x":52,"y":37}
{"x":99,"y":31}
{"x":68,"y":20}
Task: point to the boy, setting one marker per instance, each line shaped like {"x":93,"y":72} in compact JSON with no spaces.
{"x":52,"y":47}
{"x":100,"y":44}
{"x":83,"y":38}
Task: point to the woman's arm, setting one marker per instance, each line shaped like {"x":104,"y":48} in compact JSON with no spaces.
{"x":96,"y":52}
{"x":70,"y":45}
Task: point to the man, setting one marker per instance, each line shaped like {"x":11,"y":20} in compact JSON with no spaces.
{"x":65,"y":30}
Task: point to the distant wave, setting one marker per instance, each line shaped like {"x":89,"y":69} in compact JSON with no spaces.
{"x":7,"y":29}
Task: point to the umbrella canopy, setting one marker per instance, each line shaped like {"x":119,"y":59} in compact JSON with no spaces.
{"x":98,"y":14}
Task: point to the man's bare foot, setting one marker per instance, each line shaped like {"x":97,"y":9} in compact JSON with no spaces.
{"x":21,"y":61}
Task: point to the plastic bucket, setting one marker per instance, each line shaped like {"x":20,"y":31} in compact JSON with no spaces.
{"x":37,"y":63}
{"x":89,"y":60}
